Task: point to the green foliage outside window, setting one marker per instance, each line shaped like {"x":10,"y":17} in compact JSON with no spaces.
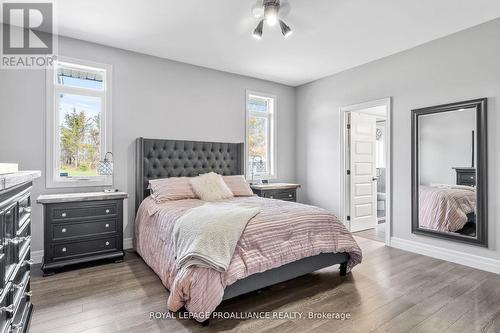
{"x":80,"y":144}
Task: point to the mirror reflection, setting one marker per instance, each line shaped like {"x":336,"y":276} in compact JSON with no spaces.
{"x":447,"y":172}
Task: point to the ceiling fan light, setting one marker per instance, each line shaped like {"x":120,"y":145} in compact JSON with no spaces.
{"x":285,"y":29}
{"x":257,"y":33}
{"x":271,"y":14}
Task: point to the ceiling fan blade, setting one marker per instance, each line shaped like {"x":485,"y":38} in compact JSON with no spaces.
{"x":285,"y":8}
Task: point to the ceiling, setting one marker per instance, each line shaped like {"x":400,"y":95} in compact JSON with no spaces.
{"x":329,"y":35}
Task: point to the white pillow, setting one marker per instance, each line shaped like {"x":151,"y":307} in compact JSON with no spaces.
{"x":210,"y":187}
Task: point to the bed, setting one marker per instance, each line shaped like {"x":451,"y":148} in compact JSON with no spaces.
{"x":158,"y":158}
{"x":446,"y":209}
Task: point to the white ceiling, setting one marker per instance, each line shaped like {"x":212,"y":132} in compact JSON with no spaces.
{"x":329,"y":35}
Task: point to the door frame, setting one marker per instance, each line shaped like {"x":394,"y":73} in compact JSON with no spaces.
{"x":344,"y":191}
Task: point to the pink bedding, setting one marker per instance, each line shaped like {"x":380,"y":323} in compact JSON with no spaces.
{"x":445,"y":209}
{"x":282,"y":233}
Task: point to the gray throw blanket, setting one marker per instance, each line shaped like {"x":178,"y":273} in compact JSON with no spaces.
{"x":207,"y":235}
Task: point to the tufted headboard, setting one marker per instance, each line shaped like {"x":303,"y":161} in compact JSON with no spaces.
{"x":157,"y":158}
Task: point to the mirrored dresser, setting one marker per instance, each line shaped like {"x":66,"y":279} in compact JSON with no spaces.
{"x":15,"y":250}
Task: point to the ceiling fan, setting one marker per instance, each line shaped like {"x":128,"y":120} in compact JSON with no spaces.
{"x":271,"y":11}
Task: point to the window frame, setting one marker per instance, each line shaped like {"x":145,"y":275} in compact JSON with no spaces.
{"x":272,"y":135}
{"x":53,"y":180}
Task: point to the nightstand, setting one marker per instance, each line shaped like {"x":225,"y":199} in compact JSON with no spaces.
{"x":280,"y":191}
{"x":81,"y":227}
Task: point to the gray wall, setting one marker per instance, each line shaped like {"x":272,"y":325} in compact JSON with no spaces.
{"x":445,"y":141}
{"x":152,"y":97}
{"x":439,"y":72}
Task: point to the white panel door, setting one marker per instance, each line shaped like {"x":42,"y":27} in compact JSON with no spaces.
{"x":363,"y":185}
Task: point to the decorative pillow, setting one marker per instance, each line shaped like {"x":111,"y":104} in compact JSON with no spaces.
{"x":210,"y":187}
{"x":238,"y":185}
{"x":174,"y":188}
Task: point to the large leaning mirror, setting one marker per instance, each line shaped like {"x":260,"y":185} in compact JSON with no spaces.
{"x":449,"y":194}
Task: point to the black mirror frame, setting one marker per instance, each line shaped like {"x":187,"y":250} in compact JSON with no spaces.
{"x":481,"y":172}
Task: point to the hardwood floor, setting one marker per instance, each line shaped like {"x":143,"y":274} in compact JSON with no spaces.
{"x":391,"y":291}
{"x":373,"y":234}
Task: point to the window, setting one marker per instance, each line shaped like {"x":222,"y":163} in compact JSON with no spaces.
{"x":260,"y":136}
{"x":78,"y":123}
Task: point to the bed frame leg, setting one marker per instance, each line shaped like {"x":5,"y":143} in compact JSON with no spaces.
{"x":205,"y":323}
{"x":343,"y":269}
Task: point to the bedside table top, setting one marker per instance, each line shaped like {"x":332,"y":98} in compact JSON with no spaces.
{"x":86,"y":196}
{"x":275,"y":186}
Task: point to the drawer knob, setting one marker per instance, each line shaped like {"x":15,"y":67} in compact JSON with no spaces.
{"x":290,"y":195}
{"x":107,"y":225}
{"x":63,"y":214}
{"x":18,"y":286}
{"x":9,"y":309}
{"x":63,"y":249}
{"x":107,"y":211}
{"x":28,"y":262}
{"x":63,"y":230}
{"x":17,"y":327}
{"x":18,"y":240}
{"x":107,"y":243}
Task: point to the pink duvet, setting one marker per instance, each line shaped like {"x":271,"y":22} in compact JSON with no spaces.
{"x":282,"y":233}
{"x":445,"y":209}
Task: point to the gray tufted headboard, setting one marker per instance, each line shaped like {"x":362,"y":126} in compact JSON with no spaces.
{"x":157,"y":158}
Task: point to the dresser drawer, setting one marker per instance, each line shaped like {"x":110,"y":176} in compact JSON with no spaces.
{"x":24,"y":208}
{"x":5,"y":301}
{"x":20,"y":293}
{"x":23,"y":266}
{"x":285,"y":194}
{"x":82,"y":229}
{"x":22,"y":242}
{"x":21,"y":318}
{"x":81,"y":248}
{"x":9,"y":227}
{"x":3,"y":278}
{"x":71,"y":212}
{"x":467,"y":179}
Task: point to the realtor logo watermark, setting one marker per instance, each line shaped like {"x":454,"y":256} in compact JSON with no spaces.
{"x":28,"y":36}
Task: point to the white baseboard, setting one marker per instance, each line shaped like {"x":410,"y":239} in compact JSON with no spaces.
{"x":128,"y":243}
{"x":37,"y":256}
{"x":462,"y":258}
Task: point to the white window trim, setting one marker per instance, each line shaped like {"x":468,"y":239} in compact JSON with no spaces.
{"x":273,"y":136}
{"x":51,"y":117}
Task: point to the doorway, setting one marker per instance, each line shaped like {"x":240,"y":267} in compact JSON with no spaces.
{"x":366,"y":169}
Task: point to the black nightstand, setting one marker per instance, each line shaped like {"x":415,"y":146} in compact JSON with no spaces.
{"x":280,"y":191}
{"x":81,"y":227}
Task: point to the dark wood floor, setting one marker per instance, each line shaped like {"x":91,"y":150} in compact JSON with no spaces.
{"x":391,"y":291}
